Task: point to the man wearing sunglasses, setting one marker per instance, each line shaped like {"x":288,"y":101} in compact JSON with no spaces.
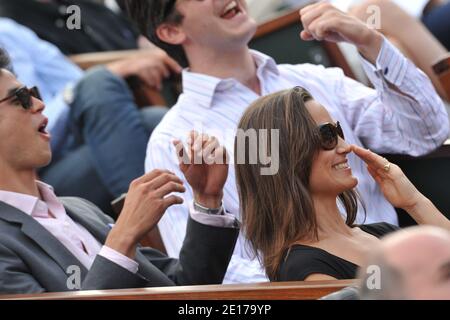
{"x":402,"y":115}
{"x":50,"y":244}
{"x":24,"y":96}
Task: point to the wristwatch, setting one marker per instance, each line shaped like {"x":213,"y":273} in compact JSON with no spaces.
{"x":199,"y":208}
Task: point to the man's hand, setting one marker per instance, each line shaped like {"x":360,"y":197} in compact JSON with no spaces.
{"x":152,"y":66}
{"x":205,"y":166}
{"x":323,"y":21}
{"x":146,"y":202}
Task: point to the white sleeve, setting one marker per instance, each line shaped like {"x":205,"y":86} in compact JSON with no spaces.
{"x":403,"y":115}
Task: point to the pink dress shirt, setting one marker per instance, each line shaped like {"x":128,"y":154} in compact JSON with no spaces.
{"x":50,"y":213}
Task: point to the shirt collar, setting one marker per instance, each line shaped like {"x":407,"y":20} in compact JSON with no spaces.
{"x":27,"y":203}
{"x":202,"y":87}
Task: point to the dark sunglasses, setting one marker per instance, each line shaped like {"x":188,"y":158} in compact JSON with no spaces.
{"x":329,"y":133}
{"x":24,"y":96}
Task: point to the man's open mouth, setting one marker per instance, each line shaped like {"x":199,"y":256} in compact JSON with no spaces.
{"x":43,"y":127}
{"x":231,"y":10}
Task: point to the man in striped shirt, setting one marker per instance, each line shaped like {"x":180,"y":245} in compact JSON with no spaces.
{"x":402,"y":115}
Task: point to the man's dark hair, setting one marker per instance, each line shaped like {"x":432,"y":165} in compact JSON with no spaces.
{"x":148,"y":15}
{"x":5,"y":62}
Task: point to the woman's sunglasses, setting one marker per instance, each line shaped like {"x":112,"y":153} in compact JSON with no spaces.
{"x":329,"y":135}
{"x":24,"y":96}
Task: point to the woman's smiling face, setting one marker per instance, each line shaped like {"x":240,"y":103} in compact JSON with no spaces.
{"x":330,"y":172}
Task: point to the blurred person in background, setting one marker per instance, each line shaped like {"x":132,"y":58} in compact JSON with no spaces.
{"x":99,"y":135}
{"x":101,"y":29}
{"x":412,"y":264}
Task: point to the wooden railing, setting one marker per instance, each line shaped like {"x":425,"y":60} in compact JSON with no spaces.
{"x":263,"y":291}
{"x":88,"y":60}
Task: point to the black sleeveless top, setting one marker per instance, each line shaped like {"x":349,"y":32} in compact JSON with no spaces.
{"x":302,"y":261}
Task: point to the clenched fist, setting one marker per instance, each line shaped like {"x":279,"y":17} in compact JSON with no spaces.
{"x":324,"y":22}
{"x":205,"y":166}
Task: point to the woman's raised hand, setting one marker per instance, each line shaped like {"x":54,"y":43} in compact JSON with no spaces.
{"x":394,"y":184}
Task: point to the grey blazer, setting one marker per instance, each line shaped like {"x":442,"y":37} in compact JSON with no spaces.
{"x":32,"y":260}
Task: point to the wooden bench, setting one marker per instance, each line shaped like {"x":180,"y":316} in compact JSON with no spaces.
{"x":263,"y":291}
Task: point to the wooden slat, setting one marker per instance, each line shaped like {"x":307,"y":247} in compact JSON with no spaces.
{"x":88,"y":60}
{"x":263,"y":291}
{"x":278,"y":23}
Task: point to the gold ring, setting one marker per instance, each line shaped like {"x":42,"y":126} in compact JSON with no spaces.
{"x":387,"y":167}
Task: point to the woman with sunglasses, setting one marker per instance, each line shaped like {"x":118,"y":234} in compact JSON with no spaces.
{"x":292,"y":219}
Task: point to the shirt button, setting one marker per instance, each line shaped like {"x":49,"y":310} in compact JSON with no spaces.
{"x":386,"y":71}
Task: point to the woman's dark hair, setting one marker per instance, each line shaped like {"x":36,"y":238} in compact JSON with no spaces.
{"x":149,"y":15}
{"x":278,"y":210}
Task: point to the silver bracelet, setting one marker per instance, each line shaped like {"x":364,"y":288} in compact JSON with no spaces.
{"x":202,"y":209}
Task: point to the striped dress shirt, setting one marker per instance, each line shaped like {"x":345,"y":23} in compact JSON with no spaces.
{"x":402,"y":115}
